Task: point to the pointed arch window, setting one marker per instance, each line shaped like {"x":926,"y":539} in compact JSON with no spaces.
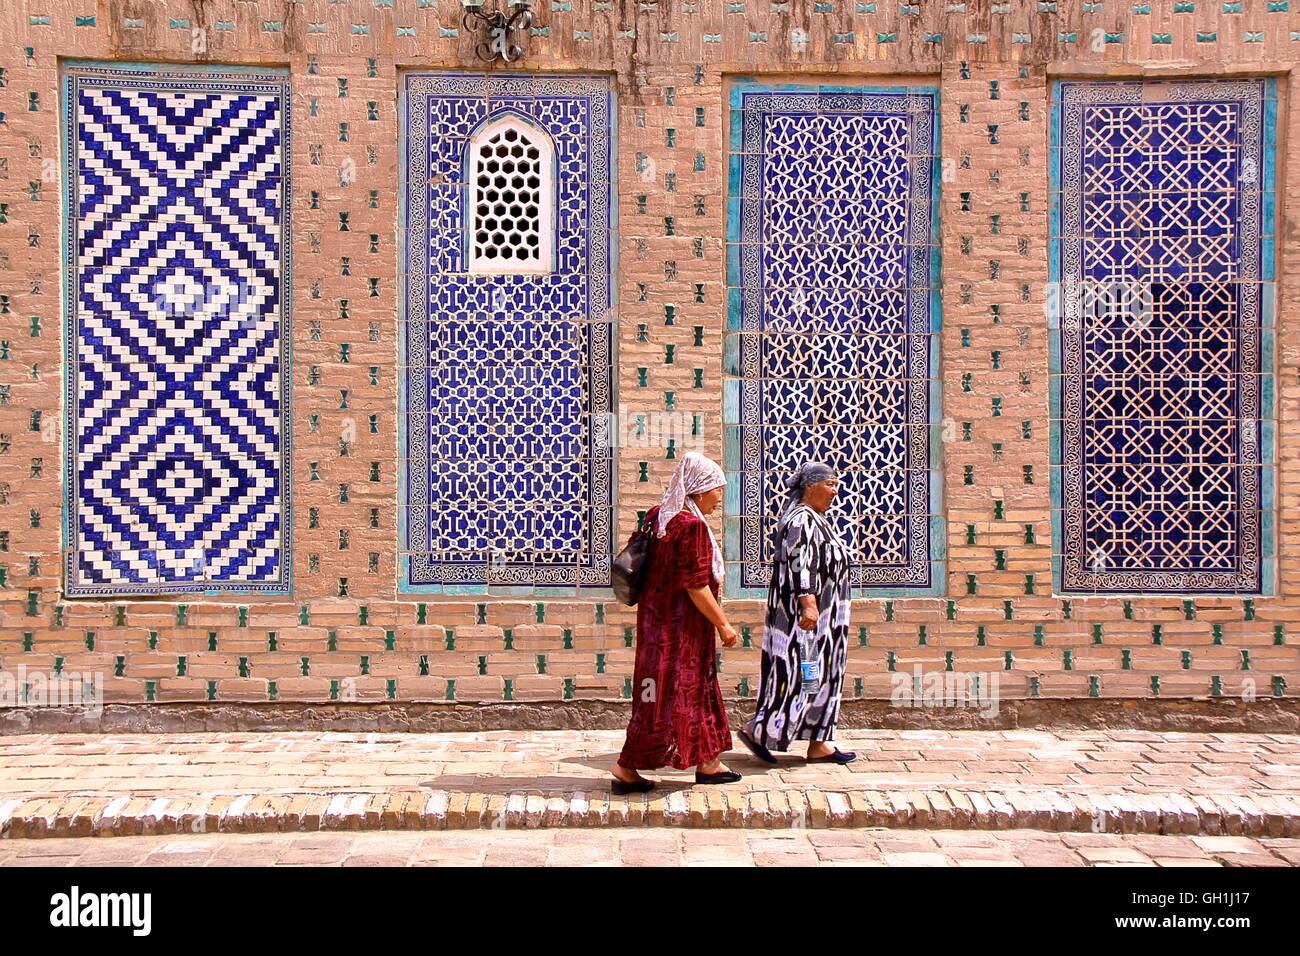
{"x":510,"y":203}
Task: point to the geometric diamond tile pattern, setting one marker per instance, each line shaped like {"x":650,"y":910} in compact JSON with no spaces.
{"x":177,"y":233}
{"x":1161,"y":258}
{"x":832,"y":302}
{"x":506,"y":481}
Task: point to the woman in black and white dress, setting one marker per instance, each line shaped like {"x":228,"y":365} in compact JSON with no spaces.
{"x":807,"y":624}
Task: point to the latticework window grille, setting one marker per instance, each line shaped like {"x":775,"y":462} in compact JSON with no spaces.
{"x":510,"y":202}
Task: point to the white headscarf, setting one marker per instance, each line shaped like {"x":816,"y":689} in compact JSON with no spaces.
{"x":694,"y":474}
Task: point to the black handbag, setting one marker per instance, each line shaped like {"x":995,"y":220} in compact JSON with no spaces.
{"x":629,"y":570}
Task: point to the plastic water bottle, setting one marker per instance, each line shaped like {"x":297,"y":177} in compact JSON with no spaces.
{"x":810,"y":677}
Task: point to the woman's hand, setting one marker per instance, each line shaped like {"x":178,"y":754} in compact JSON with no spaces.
{"x":807,"y":612}
{"x":704,"y":601}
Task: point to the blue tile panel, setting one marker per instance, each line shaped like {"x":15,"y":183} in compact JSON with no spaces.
{"x":507,"y":477}
{"x":1161,"y":251}
{"x":177,"y":456}
{"x":832,"y":268}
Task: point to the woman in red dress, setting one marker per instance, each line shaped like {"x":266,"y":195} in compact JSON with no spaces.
{"x":678,"y":719}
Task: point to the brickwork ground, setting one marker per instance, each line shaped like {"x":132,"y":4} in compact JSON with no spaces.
{"x":346,"y":632}
{"x":1237,"y":785}
{"x":660,"y":847}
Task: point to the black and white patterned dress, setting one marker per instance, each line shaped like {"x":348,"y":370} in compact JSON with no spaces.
{"x":809,"y":559}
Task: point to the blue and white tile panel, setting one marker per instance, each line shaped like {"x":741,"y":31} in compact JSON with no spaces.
{"x":177,"y":438}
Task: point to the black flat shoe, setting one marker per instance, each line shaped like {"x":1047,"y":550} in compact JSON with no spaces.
{"x":838,"y":756}
{"x":621,"y":788}
{"x":757,"y":749}
{"x":722,"y":776}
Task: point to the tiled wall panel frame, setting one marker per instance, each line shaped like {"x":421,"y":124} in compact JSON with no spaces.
{"x":506,"y":468}
{"x":1163,"y":248}
{"x":177,"y":299}
{"x":834,"y":321}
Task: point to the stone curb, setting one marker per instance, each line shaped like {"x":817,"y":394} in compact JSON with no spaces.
{"x":301,"y":812}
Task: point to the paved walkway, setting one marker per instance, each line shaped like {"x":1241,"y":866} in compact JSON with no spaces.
{"x":659,"y":847}
{"x":1089,"y":781}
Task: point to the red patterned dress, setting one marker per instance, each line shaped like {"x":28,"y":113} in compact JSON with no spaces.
{"x":678,"y":719}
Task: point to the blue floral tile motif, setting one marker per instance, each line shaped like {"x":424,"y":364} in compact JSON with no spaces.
{"x":177,"y":261}
{"x":1161,"y":244}
{"x":507,"y":471}
{"x":833,"y":270}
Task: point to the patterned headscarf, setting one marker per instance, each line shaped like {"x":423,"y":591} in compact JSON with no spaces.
{"x":694,"y":474}
{"x":809,"y":473}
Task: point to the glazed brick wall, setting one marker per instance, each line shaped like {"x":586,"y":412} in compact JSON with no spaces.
{"x":345,"y":632}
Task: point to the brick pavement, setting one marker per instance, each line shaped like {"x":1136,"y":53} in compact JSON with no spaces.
{"x":660,"y":847}
{"x":1112,"y":781}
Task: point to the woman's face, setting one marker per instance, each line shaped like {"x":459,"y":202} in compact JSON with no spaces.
{"x":819,"y":494}
{"x":707,"y":501}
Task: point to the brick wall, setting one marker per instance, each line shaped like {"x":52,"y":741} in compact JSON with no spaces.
{"x":345,"y":632}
